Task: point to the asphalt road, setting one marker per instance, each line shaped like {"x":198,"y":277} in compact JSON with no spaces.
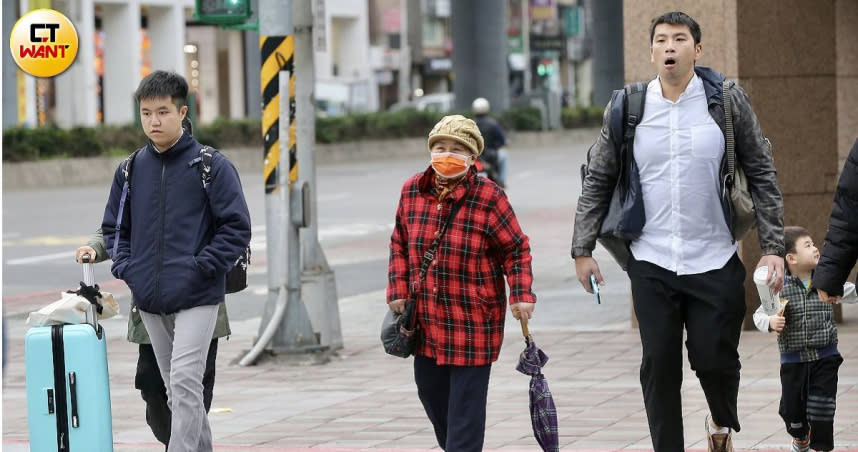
{"x":356,"y":204}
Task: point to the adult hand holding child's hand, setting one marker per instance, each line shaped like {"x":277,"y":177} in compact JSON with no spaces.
{"x":825,"y":298}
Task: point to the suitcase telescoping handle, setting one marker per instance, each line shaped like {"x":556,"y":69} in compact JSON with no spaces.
{"x":89,"y":280}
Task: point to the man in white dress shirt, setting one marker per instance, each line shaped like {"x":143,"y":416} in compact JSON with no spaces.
{"x":684,"y":267}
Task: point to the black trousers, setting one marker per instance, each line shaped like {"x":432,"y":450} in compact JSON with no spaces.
{"x":454,"y":398}
{"x":808,"y":392}
{"x":710,"y":306}
{"x":148,"y":380}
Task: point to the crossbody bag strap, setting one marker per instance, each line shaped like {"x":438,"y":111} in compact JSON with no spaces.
{"x":427,"y":259}
{"x":428,"y":256}
{"x":729,"y":140}
{"x":430,"y":252}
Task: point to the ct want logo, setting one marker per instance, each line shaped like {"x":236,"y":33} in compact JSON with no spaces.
{"x":43,"y":43}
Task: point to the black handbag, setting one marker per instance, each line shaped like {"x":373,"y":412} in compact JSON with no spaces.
{"x":399,"y":332}
{"x":236,"y":279}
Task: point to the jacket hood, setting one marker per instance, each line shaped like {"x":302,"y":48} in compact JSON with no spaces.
{"x":712,"y":81}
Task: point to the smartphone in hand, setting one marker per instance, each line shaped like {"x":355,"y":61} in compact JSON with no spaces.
{"x":595,"y":286}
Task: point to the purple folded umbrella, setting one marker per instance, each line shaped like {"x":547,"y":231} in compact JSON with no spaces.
{"x":543,"y":414}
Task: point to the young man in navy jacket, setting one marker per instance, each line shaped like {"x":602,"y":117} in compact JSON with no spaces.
{"x":172,"y":239}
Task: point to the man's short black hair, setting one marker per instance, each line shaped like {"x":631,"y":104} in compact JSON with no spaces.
{"x":792,"y":234}
{"x":163,"y":84}
{"x":676,"y":18}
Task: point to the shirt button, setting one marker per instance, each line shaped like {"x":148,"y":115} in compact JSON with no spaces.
{"x":435,"y":290}
{"x":437,"y":233}
{"x":440,"y":205}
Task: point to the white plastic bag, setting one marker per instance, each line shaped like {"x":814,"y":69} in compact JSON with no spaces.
{"x":71,"y":309}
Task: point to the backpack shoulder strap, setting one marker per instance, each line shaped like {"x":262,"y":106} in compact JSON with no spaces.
{"x":204,"y":160}
{"x":635,"y":100}
{"x":206,"y":157}
{"x":125,"y":167}
{"x":627,"y":107}
{"x":127,"y":164}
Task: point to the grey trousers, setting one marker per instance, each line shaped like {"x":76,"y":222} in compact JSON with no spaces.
{"x":181,"y":344}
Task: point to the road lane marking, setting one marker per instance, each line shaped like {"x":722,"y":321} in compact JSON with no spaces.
{"x":48,"y":240}
{"x":257,"y":244}
{"x":43,"y":258}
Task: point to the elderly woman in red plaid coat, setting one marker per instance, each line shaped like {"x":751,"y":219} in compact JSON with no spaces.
{"x":461,"y":304}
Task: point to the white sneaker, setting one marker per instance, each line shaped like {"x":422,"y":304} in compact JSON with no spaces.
{"x":800,"y":446}
{"x":719,"y":442}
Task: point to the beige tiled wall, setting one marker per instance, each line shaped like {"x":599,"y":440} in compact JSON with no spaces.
{"x":847,"y":76}
{"x":798,"y":62}
{"x":718,"y":30}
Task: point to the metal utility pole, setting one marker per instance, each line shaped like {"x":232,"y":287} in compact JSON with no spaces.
{"x":479,"y":53}
{"x":286,"y":322}
{"x":10,"y":74}
{"x":318,"y":286}
{"x":608,"y":72}
{"x":525,"y":43}
{"x":404,"y":54}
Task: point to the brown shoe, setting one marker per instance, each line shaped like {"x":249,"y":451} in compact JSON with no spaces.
{"x":719,"y":442}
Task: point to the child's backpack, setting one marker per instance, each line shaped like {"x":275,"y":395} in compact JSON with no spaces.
{"x":236,"y":279}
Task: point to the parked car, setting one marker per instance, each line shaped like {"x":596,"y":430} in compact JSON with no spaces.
{"x":440,"y":102}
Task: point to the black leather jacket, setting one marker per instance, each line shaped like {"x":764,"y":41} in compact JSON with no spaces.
{"x":753,"y":152}
{"x":840,"y":251}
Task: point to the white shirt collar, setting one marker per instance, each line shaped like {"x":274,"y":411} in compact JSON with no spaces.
{"x":695,"y":86}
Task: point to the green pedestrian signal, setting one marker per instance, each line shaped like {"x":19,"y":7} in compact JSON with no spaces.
{"x":545,"y":68}
{"x":223,"y":12}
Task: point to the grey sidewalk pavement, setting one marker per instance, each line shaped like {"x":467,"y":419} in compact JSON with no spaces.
{"x":363,"y":399}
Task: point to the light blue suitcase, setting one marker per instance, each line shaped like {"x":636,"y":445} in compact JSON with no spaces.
{"x":68,"y":390}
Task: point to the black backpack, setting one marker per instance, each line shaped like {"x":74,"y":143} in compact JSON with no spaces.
{"x":625,"y":217}
{"x":627,"y":106}
{"x":236,"y":279}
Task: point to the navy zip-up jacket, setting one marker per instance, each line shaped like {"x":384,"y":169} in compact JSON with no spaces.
{"x":177,"y":240}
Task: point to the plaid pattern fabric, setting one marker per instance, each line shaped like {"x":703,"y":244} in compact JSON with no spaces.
{"x":809,"y":323}
{"x":462,"y":304}
{"x":543,"y":415}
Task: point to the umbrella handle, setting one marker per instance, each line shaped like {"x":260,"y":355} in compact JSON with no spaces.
{"x":524,"y":329}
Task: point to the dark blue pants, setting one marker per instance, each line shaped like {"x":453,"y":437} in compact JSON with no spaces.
{"x":710,"y":307}
{"x":454,"y":398}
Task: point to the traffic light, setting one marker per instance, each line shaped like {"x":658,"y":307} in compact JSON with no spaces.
{"x":223,"y":12}
{"x":545,"y":68}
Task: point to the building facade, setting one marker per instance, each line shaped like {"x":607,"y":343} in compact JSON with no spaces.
{"x":221,"y":65}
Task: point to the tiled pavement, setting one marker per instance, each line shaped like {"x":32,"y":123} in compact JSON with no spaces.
{"x":363,"y":399}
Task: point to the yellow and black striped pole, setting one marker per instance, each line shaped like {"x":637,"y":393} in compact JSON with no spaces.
{"x":277,"y":56}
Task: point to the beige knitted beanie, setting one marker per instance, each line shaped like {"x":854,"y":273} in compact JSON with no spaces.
{"x":459,"y":128}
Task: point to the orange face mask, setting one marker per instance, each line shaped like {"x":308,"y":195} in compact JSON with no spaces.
{"x":450,"y":164}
